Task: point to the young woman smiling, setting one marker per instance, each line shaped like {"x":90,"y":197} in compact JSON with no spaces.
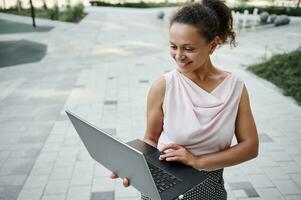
{"x":194,"y":111}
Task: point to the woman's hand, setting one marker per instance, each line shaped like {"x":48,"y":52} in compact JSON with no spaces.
{"x":178,"y":153}
{"x":126,"y":182}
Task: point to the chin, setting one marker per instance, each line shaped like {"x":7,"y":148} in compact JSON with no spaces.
{"x":184,"y":70}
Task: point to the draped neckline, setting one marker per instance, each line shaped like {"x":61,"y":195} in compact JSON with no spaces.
{"x":199,"y":87}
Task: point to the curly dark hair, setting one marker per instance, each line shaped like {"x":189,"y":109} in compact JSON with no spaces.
{"x":211,"y":18}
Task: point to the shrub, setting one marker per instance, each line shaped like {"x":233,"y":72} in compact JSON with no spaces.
{"x":54,"y":12}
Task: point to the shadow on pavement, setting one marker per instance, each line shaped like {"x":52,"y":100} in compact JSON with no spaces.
{"x":20,"y":51}
{"x":16,"y":27}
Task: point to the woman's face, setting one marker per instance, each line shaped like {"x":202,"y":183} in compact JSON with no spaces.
{"x":187,"y":47}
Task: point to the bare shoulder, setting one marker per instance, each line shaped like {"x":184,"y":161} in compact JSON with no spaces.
{"x":157,"y":89}
{"x":244,"y":99}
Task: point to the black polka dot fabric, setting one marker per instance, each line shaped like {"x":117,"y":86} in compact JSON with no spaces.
{"x":210,"y":189}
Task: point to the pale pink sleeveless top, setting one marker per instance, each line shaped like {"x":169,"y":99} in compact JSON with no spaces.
{"x":202,"y":122}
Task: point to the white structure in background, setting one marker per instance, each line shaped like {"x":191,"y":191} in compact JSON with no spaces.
{"x":255,"y":17}
{"x":245,"y":18}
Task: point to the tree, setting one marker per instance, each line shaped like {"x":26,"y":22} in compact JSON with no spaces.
{"x":32,"y":14}
{"x":44,"y":5}
{"x":298,"y":4}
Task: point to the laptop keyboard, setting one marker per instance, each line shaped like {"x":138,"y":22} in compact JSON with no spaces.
{"x":162,"y":178}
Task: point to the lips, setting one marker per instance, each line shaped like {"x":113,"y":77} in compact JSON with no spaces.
{"x":183,"y":64}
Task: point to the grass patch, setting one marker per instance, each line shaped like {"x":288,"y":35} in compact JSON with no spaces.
{"x":284,"y":70}
{"x":70,"y":14}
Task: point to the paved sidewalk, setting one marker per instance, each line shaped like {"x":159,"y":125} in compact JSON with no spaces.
{"x":102,"y":69}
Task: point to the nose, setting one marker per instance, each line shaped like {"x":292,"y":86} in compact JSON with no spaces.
{"x":180,"y":55}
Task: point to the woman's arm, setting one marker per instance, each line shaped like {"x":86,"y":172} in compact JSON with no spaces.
{"x":247,"y":139}
{"x":154,"y":121}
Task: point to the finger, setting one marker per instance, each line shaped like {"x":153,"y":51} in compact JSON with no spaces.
{"x":126,"y":182}
{"x":170,"y":146}
{"x":170,"y":154}
{"x":175,"y":158}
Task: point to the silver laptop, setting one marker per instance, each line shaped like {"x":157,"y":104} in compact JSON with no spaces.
{"x":139,"y":162}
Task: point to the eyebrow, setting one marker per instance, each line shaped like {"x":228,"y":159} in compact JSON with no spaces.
{"x":182,"y":45}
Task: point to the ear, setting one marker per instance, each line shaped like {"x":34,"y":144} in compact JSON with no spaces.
{"x":213,"y":44}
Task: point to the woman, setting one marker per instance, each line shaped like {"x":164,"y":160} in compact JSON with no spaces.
{"x":194,"y":111}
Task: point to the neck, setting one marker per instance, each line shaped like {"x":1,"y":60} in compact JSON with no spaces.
{"x":204,"y":72}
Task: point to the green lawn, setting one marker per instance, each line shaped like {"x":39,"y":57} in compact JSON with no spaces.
{"x":284,"y":70}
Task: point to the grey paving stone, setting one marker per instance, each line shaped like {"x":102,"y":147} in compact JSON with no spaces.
{"x":290,"y":166}
{"x":32,"y":139}
{"x":251,"y":192}
{"x":240,"y":185}
{"x":42,"y":168}
{"x":84,"y":178}
{"x":296,"y":178}
{"x":270,"y":194}
{"x":38,"y":181}
{"x":83,"y":155}
{"x":79,"y":86}
{"x":292,"y":197}
{"x":260,"y":181}
{"x":30,"y":194}
{"x":65,"y":161}
{"x":79,"y":192}
{"x":104,"y":184}
{"x":143,"y":81}
{"x":275,"y":173}
{"x":61,"y":173}
{"x":287,"y":187}
{"x":139,"y":64}
{"x":102,"y":195}
{"x":12,"y":180}
{"x":54,"y":197}
{"x":110,"y":102}
{"x":83,"y":166}
{"x":9,"y":192}
{"x":62,"y":117}
{"x":11,"y":127}
{"x":17,"y":166}
{"x":47,"y":157}
{"x":263,"y":137}
{"x":56,"y":187}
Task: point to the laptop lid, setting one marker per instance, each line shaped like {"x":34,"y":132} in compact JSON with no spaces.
{"x":115,"y":155}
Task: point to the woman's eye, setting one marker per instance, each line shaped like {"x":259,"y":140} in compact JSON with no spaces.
{"x":173,"y":47}
{"x":188,"y":49}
